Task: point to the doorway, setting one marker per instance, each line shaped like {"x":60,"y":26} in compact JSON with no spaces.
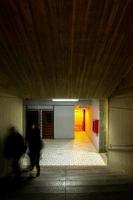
{"x":79,"y":119}
{"x":48,"y":124}
{"x":43,"y":119}
{"x":82,"y":122}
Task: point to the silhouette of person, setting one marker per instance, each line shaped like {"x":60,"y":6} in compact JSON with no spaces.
{"x":34,"y":143}
{"x":14,"y":149}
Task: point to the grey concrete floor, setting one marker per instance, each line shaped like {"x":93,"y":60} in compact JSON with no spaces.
{"x":68,"y":184}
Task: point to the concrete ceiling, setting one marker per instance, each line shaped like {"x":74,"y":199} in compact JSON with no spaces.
{"x":65,"y":48}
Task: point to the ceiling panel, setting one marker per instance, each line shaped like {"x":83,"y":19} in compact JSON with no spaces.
{"x":70,"y":49}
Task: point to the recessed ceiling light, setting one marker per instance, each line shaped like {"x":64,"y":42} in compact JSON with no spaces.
{"x":68,"y":100}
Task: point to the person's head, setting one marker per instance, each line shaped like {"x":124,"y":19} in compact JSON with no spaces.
{"x":12,"y":130}
{"x":33,"y":125}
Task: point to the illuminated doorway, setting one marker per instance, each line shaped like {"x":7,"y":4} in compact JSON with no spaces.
{"x":79,"y":119}
{"x":82,"y":122}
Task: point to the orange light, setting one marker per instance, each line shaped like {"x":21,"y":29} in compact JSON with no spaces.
{"x":79,"y":119}
{"x":82,"y":121}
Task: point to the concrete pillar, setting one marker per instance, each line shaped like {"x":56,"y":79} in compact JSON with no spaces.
{"x":103,"y":125}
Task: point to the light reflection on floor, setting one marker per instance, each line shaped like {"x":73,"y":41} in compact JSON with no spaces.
{"x":65,"y":152}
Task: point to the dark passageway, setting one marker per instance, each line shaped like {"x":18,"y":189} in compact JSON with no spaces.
{"x":72,"y":50}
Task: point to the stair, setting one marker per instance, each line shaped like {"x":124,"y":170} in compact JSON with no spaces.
{"x":70,"y":183}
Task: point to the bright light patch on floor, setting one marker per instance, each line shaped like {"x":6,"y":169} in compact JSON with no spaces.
{"x":77,"y":152}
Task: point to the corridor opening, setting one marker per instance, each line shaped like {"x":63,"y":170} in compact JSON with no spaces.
{"x":81,"y":122}
{"x":69,"y":140}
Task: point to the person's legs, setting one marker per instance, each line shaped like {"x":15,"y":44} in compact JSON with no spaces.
{"x":37,"y":163}
{"x":32,"y":160}
{"x":16,"y":167}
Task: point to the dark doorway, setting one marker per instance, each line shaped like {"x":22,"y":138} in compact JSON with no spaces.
{"x":31,"y":116}
{"x":48,"y":124}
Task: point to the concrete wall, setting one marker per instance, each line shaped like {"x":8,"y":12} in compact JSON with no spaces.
{"x":103,"y":125}
{"x":11,"y":114}
{"x":94,"y":113}
{"x":63,"y":122}
{"x":88,"y":121}
{"x":121,"y":132}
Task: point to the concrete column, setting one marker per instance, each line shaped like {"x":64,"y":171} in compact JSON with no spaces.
{"x":103,"y":125}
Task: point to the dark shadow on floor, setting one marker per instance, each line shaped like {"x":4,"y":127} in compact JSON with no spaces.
{"x":67,"y":184}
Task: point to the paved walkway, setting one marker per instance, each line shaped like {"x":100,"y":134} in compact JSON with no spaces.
{"x":94,"y":183}
{"x":77,"y":152}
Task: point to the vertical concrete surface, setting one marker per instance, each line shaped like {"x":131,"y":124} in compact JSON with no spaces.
{"x":11,"y":114}
{"x":64,"y":122}
{"x":121,"y":133}
{"x":95,"y":114}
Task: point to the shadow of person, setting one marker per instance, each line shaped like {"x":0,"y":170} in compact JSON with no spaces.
{"x":14,"y":148}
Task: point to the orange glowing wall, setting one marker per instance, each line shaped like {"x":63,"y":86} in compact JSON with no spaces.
{"x":81,"y":120}
{"x":87,"y":121}
{"x":78,"y":119}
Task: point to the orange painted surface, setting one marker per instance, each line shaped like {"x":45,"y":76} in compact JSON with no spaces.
{"x":82,"y":121}
{"x":79,"y":119}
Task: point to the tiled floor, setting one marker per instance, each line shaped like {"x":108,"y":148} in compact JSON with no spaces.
{"x":77,"y":152}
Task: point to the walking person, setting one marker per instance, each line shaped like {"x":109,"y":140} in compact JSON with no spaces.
{"x":14,"y":149}
{"x":34,"y":143}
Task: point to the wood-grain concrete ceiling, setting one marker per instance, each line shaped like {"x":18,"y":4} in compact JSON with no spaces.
{"x":65,"y":48}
